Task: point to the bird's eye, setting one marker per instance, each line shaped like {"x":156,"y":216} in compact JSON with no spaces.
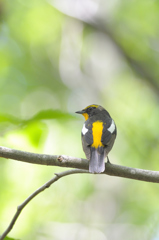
{"x":91,"y":108}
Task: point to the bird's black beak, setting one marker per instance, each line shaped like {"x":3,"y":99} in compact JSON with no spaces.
{"x":80,"y":112}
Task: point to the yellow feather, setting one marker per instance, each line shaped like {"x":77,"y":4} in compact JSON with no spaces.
{"x":86,"y":116}
{"x":93,"y":105}
{"x":97,"y":128}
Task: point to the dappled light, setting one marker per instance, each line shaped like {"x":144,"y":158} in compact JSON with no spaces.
{"x":57,"y":57}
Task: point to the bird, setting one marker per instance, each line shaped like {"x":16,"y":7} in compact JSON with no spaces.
{"x":98,"y":135}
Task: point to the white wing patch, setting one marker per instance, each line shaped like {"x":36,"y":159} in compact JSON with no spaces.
{"x":112,"y":127}
{"x":84,"y":130}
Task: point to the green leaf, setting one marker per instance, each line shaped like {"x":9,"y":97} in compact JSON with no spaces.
{"x":42,"y":115}
{"x":36,"y":131}
{"x":52,"y":114}
{"x":8,"y":238}
{"x":9,"y":118}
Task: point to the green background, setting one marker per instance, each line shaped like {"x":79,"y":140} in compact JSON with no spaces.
{"x":57,"y":57}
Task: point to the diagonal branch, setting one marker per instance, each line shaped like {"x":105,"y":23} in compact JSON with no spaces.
{"x":73,"y":162}
{"x":99,"y":24}
{"x":34,"y":194}
{"x":67,"y":161}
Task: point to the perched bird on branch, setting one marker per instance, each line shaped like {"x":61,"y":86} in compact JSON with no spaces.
{"x":98,"y":136}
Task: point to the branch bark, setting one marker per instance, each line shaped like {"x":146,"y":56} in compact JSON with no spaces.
{"x":80,"y":163}
{"x":34,"y":194}
{"x":72,"y":162}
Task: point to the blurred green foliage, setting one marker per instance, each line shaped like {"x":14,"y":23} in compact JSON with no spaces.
{"x":57,"y":57}
{"x":7,"y":238}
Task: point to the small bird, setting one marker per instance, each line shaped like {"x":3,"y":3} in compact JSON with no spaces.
{"x":98,"y":136}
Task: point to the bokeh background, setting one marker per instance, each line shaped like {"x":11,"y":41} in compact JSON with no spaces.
{"x":57,"y":57}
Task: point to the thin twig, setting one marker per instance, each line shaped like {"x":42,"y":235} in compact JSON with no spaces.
{"x":34,"y":194}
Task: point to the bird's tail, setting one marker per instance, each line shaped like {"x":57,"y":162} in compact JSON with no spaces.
{"x":97,"y":164}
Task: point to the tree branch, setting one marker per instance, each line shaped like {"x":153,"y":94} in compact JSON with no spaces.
{"x":73,"y":162}
{"x":34,"y":194}
{"x":99,"y":24}
{"x":137,"y":66}
{"x":67,"y":161}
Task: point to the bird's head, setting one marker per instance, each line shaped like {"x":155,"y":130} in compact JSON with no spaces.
{"x":90,"y":110}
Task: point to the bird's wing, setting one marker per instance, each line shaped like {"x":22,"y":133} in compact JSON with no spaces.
{"x":109,"y":135}
{"x":87,"y":134}
{"x":87,"y":139}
